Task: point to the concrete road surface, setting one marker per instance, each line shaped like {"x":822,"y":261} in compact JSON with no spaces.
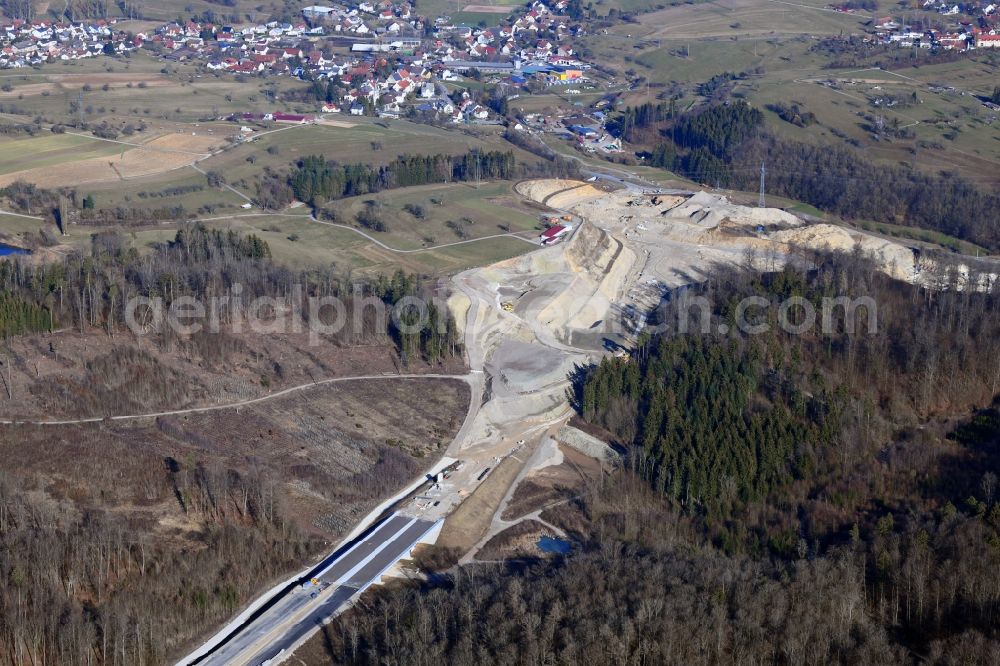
{"x":296,"y":614}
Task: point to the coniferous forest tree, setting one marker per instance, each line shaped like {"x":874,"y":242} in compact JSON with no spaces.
{"x":317,"y":180}
{"x":18,"y":316}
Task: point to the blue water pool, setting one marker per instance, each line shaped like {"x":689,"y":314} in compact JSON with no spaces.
{"x":548,"y":544}
{"x":7,"y":249}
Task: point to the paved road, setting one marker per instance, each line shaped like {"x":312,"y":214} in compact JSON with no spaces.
{"x":326,"y":608}
{"x":295,"y":613}
{"x":29,"y":217}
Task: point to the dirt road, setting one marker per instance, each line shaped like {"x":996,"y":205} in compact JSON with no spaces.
{"x":232,"y":405}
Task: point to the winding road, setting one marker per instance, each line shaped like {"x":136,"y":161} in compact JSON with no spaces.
{"x":233,"y":405}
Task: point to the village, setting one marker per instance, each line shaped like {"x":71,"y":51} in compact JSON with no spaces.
{"x":941,"y":26}
{"x":372,"y":57}
{"x":383,"y":59}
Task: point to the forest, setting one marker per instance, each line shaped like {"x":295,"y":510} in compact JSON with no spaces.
{"x":783,"y":446}
{"x":18,"y":317}
{"x":118,"y":541}
{"x":126,"y":544}
{"x":813,"y":498}
{"x":91,"y":290}
{"x":726,"y":144}
{"x":83,"y":584}
{"x":721,"y":422}
{"x":316,"y":180}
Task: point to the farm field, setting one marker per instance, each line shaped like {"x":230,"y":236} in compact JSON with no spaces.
{"x":18,"y":154}
{"x":363,"y":140}
{"x":140,"y":87}
{"x":478,"y":18}
{"x":944,"y":127}
{"x":946,"y":135}
{"x":697,"y":61}
{"x":234,"y":11}
{"x":185,"y":188}
{"x":157,"y":175}
{"x":368,"y":140}
{"x":74,"y":165}
{"x":445,"y":213}
{"x":731,"y":18}
{"x":298,"y":241}
{"x":492,"y":10}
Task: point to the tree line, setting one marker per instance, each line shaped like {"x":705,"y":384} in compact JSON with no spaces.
{"x":316,"y":180}
{"x":92,"y":289}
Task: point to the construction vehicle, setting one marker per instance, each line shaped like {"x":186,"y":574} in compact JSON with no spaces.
{"x":568,"y":218}
{"x":313,"y":586}
{"x":507,"y":306}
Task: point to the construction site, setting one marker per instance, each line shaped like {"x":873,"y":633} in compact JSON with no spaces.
{"x":528,"y":323}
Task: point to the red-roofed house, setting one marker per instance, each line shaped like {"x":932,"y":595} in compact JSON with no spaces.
{"x":293,"y":118}
{"x":553,"y":234}
{"x":987,"y":41}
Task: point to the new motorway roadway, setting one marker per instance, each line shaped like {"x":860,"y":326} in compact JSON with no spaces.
{"x":296,"y":613}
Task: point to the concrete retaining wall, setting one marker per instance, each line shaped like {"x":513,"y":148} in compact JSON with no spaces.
{"x":587,"y":444}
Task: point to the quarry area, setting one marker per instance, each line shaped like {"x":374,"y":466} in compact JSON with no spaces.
{"x":531,"y":320}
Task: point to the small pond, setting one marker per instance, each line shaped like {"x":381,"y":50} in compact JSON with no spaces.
{"x":10,"y":249}
{"x":548,"y":544}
